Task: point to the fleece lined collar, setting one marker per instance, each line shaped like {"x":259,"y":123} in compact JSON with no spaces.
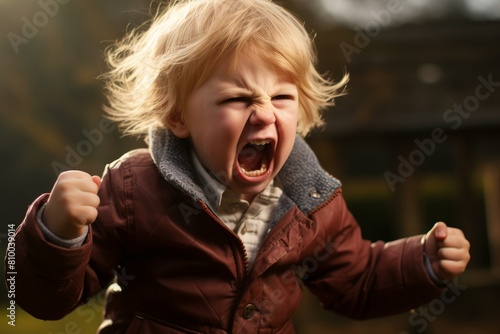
{"x":303,"y":180}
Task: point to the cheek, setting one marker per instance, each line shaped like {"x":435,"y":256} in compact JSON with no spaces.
{"x":287,"y":121}
{"x":216,"y":144}
{"x":287,"y":129}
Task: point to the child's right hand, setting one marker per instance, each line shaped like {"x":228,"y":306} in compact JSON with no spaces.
{"x":72,"y":204}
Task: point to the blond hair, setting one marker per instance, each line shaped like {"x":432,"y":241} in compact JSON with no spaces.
{"x":155,"y":70}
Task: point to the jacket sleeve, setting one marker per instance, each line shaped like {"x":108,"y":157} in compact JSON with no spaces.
{"x":52,"y":280}
{"x":361,"y":279}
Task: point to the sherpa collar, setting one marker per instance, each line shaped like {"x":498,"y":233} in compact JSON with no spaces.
{"x":303,"y":180}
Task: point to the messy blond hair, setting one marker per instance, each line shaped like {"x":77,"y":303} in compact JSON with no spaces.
{"x":155,"y":70}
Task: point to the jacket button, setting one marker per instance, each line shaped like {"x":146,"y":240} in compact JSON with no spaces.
{"x":249,"y":311}
{"x":315,"y":194}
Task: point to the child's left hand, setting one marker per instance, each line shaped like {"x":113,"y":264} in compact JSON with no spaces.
{"x":448,"y":251}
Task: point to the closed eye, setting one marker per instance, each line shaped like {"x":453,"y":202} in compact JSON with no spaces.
{"x":239,"y":99}
{"x":283,"y":97}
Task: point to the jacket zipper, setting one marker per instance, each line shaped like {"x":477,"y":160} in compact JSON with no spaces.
{"x":241,"y":246}
{"x":245,"y":266}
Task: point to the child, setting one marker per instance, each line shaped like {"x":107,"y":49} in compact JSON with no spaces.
{"x":212,"y":228}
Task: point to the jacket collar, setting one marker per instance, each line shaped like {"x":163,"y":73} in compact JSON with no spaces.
{"x":304,"y":182}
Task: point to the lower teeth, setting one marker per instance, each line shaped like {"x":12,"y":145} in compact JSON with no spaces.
{"x":254,"y":173}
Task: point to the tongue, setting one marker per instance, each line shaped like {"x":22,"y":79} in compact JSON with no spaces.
{"x":250,"y":158}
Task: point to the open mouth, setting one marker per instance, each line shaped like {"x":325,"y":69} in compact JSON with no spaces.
{"x":255,"y":157}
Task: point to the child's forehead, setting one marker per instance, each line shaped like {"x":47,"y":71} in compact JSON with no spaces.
{"x":230,"y":68}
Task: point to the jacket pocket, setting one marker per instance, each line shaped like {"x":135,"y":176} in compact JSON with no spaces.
{"x":143,"y":324}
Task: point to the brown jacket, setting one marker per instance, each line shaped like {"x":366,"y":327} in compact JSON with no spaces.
{"x":181,"y":270}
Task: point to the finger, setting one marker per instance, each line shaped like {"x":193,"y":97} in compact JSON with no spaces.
{"x":453,"y":254}
{"x":83,"y":199}
{"x":437,"y":230}
{"x":97,"y":180}
{"x":455,"y":232}
{"x":83,"y":215}
{"x":440,"y":231}
{"x":87,"y":185}
{"x":75,"y":174}
{"x":455,"y":241}
{"x":71,"y":180}
{"x":451,"y":268}
{"x":90,"y":215}
{"x":91,"y":200}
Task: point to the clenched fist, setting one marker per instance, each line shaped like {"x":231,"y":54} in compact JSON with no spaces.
{"x":448,"y":251}
{"x":72,"y":204}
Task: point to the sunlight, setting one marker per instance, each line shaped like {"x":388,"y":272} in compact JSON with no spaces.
{"x":358,"y":12}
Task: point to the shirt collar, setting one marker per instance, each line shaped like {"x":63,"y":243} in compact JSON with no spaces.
{"x":212,"y":187}
{"x":214,"y":190}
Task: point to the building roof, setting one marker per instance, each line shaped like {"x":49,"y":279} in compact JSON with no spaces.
{"x":411,"y":77}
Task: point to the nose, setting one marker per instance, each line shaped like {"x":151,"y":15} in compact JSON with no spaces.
{"x":263,"y":115}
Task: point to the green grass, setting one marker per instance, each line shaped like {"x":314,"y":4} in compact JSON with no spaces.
{"x":83,"y":320}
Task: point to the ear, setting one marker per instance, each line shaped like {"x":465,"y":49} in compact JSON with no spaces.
{"x":176,"y":124}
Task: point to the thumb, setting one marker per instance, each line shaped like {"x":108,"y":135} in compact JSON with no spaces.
{"x":97,"y":180}
{"x":439,"y":231}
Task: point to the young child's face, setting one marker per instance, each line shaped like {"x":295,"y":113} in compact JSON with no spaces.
{"x":242,"y":124}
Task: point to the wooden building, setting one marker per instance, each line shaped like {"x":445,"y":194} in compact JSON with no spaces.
{"x":417,"y":138}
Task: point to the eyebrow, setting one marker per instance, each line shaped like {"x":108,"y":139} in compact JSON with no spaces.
{"x":227,"y":84}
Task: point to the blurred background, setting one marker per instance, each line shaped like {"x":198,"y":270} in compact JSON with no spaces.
{"x":415,"y":141}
